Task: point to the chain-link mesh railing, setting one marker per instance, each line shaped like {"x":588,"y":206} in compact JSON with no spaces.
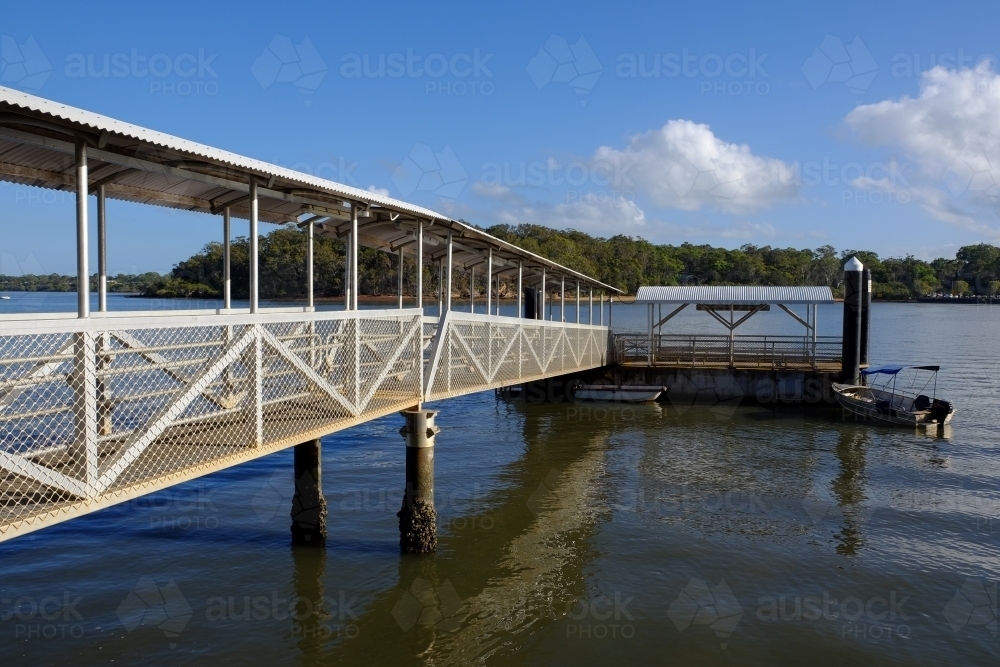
{"x":476,"y":352}
{"x":740,"y":351}
{"x":94,"y":412}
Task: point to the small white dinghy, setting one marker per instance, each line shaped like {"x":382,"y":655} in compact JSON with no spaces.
{"x":618,"y":393}
{"x":886,"y":401}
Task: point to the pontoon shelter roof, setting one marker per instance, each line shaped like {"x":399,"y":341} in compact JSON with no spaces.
{"x":37,"y":144}
{"x":733,"y":294}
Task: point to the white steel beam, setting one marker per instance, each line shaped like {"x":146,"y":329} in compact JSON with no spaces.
{"x":577,"y":301}
{"x":309,"y":266}
{"x":420,"y":264}
{"x":541,"y":299}
{"x":354,"y":256}
{"x":451,"y":270}
{"x":347,"y":272}
{"x":82,"y":231}
{"x":520,"y":288}
{"x":102,"y":252}
{"x":254,"y":249}
{"x":399,"y":287}
{"x":562,"y":299}
{"x":227,"y":253}
{"x":489,"y":279}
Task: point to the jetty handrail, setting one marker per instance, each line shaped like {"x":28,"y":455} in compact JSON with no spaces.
{"x":747,"y":350}
{"x":94,"y":412}
{"x":490,"y":351}
{"x":100,"y":410}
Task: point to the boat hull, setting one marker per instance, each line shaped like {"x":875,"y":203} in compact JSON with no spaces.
{"x":617,"y":394}
{"x":859,"y":400}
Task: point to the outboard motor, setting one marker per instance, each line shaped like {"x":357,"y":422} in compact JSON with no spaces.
{"x":940,"y":410}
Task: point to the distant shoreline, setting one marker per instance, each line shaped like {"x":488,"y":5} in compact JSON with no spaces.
{"x":431,"y":299}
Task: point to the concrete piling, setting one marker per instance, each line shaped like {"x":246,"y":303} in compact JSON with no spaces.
{"x":308,"y":503}
{"x":850,"y":369}
{"x":417,"y":516}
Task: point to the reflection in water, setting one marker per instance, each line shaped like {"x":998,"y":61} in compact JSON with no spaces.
{"x":848,"y":487}
{"x":520,"y":570}
{"x":738,"y":474}
{"x":543,"y":564}
{"x":309,"y":615}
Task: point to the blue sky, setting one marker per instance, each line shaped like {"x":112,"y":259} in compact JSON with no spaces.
{"x":720,"y":123}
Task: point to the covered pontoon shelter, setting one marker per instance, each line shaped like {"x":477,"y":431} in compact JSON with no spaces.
{"x":731,"y":306}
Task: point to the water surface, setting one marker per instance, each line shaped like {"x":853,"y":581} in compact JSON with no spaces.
{"x":696,"y":534}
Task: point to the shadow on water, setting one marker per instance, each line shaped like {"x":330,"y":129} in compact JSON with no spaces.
{"x":513,"y":566}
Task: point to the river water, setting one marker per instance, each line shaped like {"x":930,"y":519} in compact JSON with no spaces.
{"x":663,"y":534}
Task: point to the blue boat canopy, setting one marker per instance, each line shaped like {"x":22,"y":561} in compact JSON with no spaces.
{"x":893,"y":369}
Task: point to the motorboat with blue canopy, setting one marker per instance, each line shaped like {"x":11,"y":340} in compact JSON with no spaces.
{"x":897,"y":394}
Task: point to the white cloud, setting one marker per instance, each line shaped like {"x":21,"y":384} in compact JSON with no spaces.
{"x":609,"y":217}
{"x":952,"y":132}
{"x":603,"y":217}
{"x":684,"y":165}
{"x":379,"y":191}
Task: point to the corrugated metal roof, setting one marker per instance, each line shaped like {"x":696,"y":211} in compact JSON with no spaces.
{"x":47,"y":161}
{"x":734,"y":294}
{"x":100,"y":123}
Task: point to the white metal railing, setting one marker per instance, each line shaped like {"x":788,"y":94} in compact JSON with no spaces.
{"x":97,"y":411}
{"x":737,"y":351}
{"x":472,"y":352}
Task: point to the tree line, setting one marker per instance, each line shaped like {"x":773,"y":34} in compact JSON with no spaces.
{"x":53,"y":282}
{"x":622,"y":261}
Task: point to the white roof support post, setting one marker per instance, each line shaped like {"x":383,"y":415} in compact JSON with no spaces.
{"x":354,"y":255}
{"x":520,"y":287}
{"x":451,"y":270}
{"x":590,"y":309}
{"x":310,"y":243}
{"x":498,"y":293}
{"x":602,"y":308}
{"x":440,"y":287}
{"x":732,"y":333}
{"x":399,"y":287}
{"x":82,"y":230}
{"x":102,"y":252}
{"x":562,"y":299}
{"x":227,"y":259}
{"x":347,"y":272}
{"x":650,"y":318}
{"x":489,"y":280}
{"x":577,"y":301}
{"x":420,"y":264}
{"x":541,"y":299}
{"x":254,"y":249}
{"x":472,"y":289}
{"x":815,"y":317}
